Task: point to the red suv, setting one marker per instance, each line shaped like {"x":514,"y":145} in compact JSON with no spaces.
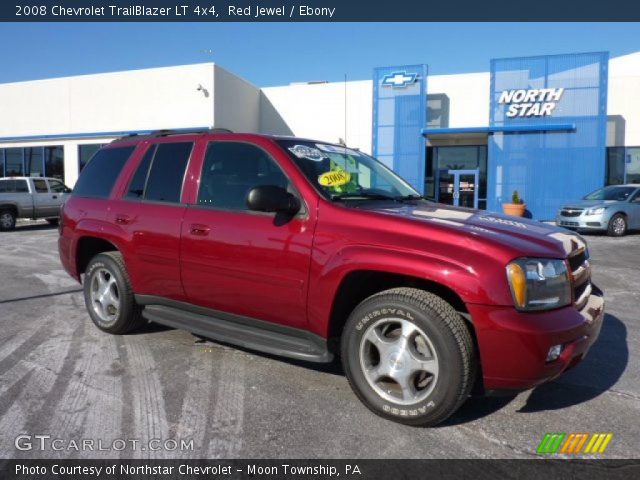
{"x":310,"y":250}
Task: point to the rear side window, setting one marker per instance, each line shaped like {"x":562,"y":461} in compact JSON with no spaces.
{"x":20,"y":186}
{"x":136,"y":186}
{"x":100,"y":174}
{"x":7,"y":186}
{"x":40,"y":186}
{"x":164,"y":182}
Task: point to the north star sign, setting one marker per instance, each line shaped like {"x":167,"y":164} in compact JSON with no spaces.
{"x":537,"y":102}
{"x":399,"y":79}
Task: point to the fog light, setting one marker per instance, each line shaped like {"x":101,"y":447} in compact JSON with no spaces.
{"x":554,"y":353}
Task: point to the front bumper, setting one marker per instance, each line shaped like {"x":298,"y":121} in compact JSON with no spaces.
{"x":583,"y":222}
{"x":514,"y":345}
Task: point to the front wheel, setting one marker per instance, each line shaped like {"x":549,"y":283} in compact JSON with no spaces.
{"x":108,"y":295}
{"x":408,"y":356}
{"x":617,"y":225}
{"x":7,"y":220}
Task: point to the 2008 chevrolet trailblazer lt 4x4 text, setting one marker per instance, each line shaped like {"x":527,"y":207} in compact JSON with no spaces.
{"x":309,"y":250}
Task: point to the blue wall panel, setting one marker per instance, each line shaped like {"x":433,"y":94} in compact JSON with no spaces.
{"x":549,"y":168}
{"x":399,"y":113}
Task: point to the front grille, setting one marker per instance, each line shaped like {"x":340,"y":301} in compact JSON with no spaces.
{"x":571,"y":212}
{"x":564,"y":223}
{"x":580,"y":276}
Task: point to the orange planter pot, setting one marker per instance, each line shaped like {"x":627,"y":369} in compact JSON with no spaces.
{"x":515,"y":209}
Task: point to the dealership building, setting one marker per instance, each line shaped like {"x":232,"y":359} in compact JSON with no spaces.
{"x":551,"y":127}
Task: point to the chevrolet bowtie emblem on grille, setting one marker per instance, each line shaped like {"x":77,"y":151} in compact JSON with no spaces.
{"x":399,"y":79}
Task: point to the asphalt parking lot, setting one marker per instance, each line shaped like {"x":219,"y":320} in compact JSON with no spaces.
{"x":62,"y":377}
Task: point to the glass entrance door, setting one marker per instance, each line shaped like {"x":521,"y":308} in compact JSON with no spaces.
{"x":458,"y":188}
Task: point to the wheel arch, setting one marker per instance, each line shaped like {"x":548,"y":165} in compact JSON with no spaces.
{"x":88,"y":247}
{"x":358,"y":285}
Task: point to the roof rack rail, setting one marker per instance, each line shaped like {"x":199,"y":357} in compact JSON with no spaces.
{"x":167,"y":132}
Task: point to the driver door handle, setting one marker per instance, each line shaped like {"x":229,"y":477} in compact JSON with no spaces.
{"x":122,"y":219}
{"x":199,"y":229}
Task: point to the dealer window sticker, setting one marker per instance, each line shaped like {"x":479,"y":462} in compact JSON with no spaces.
{"x":334,"y":178}
{"x":310,"y":153}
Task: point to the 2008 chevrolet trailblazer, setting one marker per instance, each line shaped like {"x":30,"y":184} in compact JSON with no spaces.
{"x":309,"y":250}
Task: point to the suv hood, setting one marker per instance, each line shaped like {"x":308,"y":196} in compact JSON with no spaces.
{"x":527,"y":237}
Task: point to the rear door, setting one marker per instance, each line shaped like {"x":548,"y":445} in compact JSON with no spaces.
{"x":149,"y":213}
{"x":44,"y":202}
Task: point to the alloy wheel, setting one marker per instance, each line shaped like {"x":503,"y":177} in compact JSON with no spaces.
{"x":105,"y":296}
{"x":399,"y":361}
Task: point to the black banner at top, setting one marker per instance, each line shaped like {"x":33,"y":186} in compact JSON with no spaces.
{"x":315,"y":10}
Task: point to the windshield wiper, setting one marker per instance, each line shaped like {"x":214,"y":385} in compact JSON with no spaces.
{"x":375,"y":196}
{"x":405,"y":198}
{"x":363,"y":195}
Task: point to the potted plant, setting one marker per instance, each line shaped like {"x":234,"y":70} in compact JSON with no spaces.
{"x":516,"y":207}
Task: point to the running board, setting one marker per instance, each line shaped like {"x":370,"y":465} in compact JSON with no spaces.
{"x":236,"y":330}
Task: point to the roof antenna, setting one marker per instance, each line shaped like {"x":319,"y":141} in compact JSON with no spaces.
{"x":343,"y":140}
{"x":345,"y":109}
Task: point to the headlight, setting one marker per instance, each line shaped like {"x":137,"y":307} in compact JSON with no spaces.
{"x":539,"y":283}
{"x":595,"y":211}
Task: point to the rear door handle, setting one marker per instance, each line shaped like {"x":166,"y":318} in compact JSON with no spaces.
{"x":123,"y":219}
{"x":54,"y":197}
{"x":199,"y":229}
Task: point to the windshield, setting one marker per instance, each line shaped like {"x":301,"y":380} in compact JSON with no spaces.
{"x":342,"y":173}
{"x":617,"y":193}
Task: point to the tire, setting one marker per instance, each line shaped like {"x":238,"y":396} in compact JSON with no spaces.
{"x":7,"y":220}
{"x":617,"y":225}
{"x":53,"y":221}
{"x":438,"y":338}
{"x":108,"y":295}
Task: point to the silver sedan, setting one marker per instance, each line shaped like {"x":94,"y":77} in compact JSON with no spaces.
{"x":615,"y":208}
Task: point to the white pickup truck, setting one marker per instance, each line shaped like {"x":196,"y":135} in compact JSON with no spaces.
{"x":30,"y":197}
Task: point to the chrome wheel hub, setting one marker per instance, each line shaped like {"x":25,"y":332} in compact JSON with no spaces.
{"x":105,"y":297}
{"x":618,"y":225}
{"x":399,"y":361}
{"x":6,"y":220}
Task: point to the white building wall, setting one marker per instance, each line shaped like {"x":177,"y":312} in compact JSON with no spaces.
{"x":317,"y":111}
{"x":134,"y":100}
{"x":236,"y":103}
{"x":624,"y":100}
{"x":468,"y":97}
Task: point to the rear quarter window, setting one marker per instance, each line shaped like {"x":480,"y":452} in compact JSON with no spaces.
{"x":14,"y":186}
{"x":166,"y":173}
{"x":100,"y":174}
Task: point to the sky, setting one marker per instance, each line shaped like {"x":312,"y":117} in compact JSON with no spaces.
{"x":268,"y":54}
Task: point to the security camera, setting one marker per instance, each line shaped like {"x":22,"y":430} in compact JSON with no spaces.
{"x":203,"y":90}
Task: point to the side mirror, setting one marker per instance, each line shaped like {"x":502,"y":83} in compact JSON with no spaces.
{"x":271,"y":198}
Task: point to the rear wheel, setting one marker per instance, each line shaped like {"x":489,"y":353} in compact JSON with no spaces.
{"x":408,"y":356}
{"x":617,"y":225}
{"x":7,"y":220}
{"x":108,"y":295}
